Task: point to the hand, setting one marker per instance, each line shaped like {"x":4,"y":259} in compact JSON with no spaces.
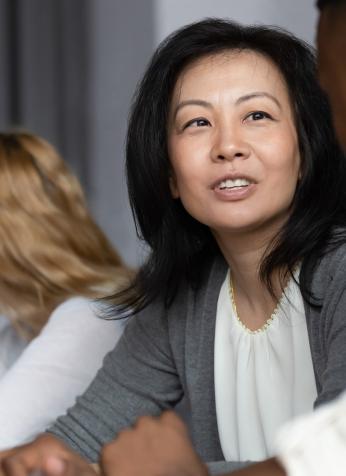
{"x":153,"y":447}
{"x":44,"y":456}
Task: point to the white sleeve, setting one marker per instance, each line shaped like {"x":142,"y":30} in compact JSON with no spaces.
{"x":315,"y":444}
{"x":54,"y":369}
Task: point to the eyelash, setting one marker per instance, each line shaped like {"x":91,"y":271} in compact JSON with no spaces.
{"x":264,"y":114}
{"x":193,"y":121}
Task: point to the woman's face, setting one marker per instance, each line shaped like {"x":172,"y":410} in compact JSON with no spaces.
{"x":232,"y":143}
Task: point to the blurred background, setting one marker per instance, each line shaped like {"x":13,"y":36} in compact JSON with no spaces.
{"x":68,"y":69}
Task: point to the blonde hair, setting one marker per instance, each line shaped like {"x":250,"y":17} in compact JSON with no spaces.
{"x":50,"y":247}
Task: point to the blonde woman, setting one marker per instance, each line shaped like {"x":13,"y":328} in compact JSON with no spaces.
{"x":55,"y":261}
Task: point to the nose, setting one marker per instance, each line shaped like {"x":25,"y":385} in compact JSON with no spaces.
{"x":229,"y":145}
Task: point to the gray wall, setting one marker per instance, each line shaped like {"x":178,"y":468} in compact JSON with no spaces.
{"x":121,"y":41}
{"x":4,"y":65}
{"x":298,"y":16}
{"x":53,"y":69}
{"x":43,"y":73}
{"x":76,"y":64}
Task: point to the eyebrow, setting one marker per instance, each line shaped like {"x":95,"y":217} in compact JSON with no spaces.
{"x":191,"y":102}
{"x":247,"y":97}
{"x":258,"y":94}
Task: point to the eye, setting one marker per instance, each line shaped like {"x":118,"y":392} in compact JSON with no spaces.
{"x":258,"y":116}
{"x":199,"y":122}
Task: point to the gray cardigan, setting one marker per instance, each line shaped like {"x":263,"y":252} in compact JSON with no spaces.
{"x":165,"y":355}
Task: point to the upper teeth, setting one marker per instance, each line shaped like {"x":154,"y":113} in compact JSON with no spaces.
{"x":240,"y":182}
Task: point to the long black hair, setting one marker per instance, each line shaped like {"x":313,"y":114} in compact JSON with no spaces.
{"x":181,"y":247}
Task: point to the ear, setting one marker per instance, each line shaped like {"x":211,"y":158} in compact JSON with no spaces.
{"x":173,"y":185}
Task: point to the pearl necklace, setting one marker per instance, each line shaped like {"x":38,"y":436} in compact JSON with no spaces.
{"x":234,"y":306}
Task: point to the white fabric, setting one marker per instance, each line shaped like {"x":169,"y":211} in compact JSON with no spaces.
{"x":11,"y":345}
{"x":53,"y":370}
{"x":262,"y":380}
{"x":315,"y":444}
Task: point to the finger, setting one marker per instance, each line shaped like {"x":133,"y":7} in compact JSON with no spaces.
{"x":58,"y":466}
{"x":142,"y":422}
{"x":14,"y":466}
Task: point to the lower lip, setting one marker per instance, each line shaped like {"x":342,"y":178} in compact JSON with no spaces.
{"x":230,"y":195}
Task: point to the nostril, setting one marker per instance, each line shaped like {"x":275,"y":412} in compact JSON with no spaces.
{"x":231,"y":156}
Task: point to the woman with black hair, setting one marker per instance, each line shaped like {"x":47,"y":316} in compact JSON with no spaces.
{"x":237,"y":185}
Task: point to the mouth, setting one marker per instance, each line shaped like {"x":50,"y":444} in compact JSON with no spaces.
{"x":234,"y":187}
{"x":233,"y":184}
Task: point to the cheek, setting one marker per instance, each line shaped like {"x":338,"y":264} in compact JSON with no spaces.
{"x":290,"y":177}
{"x":285,"y":164}
{"x":187,"y":165}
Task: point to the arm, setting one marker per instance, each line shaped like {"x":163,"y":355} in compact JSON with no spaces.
{"x":55,"y":367}
{"x":154,"y":446}
{"x":137,"y":378}
{"x":161,"y":446}
{"x":140,"y":377}
{"x":46,"y":456}
{"x":327,"y":327}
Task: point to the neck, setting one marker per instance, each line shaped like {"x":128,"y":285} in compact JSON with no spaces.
{"x":244,"y":253}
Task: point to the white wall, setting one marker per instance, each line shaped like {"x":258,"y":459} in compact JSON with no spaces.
{"x":298,"y":16}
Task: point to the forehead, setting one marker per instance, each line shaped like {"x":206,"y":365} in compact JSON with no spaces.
{"x":239,"y":72}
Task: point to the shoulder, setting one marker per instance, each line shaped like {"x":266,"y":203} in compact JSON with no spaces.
{"x":189,"y":303}
{"x":193,"y":299}
{"x":83,"y":314}
{"x":76,"y":306}
{"x":213,"y":276}
{"x":76,"y":302}
{"x":329,"y":273}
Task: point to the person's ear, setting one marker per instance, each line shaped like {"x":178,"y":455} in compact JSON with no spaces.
{"x":173,"y":185}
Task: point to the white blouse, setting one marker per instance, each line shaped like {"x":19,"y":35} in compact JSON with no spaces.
{"x":39,"y":381}
{"x":262,"y":379}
